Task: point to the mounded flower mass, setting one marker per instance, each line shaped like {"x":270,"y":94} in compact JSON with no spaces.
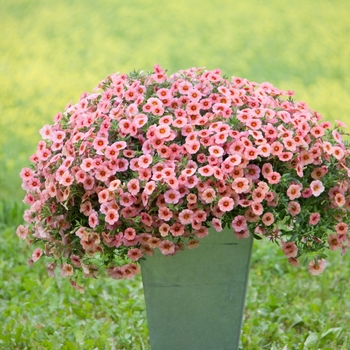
{"x":151,"y":161}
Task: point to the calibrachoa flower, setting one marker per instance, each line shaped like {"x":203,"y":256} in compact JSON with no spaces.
{"x":151,"y":161}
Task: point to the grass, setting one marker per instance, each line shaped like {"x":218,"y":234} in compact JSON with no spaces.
{"x":52,"y":51}
{"x":286,"y":307}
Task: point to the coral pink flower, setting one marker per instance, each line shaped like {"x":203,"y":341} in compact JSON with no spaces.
{"x":289,"y":249}
{"x":133,"y":186}
{"x":257,"y":208}
{"x":192,"y":244}
{"x":273,"y":178}
{"x":67,"y":179}
{"x":252,"y":172}
{"x":241,"y":185}
{"x":241,"y":234}
{"x":67,"y":270}
{"x":177,"y":229}
{"x":134,"y":254}
{"x":314,"y":218}
{"x":267,"y":169}
{"x":22,"y":231}
{"x":166,"y":247}
{"x":102,"y":173}
{"x":165,"y":213}
{"x":164,"y":229}
{"x":145,"y":161}
{"x":294,"y":208}
{"x":294,"y":191}
{"x":239,"y":223}
{"x":226,"y":204}
{"x":112,"y":216}
{"x":339,"y":199}
{"x":341,"y":228}
{"x":216,"y":223}
{"x":216,"y":151}
{"x":100,"y":143}
{"x":37,"y":254}
{"x":201,"y":232}
{"x":206,"y":170}
{"x":172,"y":196}
{"x":208,"y":195}
{"x":334,"y":241}
{"x":185,"y":216}
{"x":93,"y":219}
{"x":251,"y":153}
{"x":317,"y":267}
{"x":316,"y":187}
{"x":258,"y":195}
{"x":268,"y":219}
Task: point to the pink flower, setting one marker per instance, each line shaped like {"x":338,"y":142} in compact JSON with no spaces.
{"x":167,"y":247}
{"x":145,"y":161}
{"x":100,"y":143}
{"x":192,"y":244}
{"x":186,"y":216}
{"x":316,"y":187}
{"x":341,"y":228}
{"x":294,"y":191}
{"x":177,"y":229}
{"x":112,"y":216}
{"x":316,"y":267}
{"x":216,"y":151}
{"x":93,"y":219}
{"x":172,"y":196}
{"x":37,"y":254}
{"x":133,"y":186}
{"x":257,"y":208}
{"x":289,"y":249}
{"x":251,"y":153}
{"x":294,"y":208}
{"x":268,"y":219}
{"x":314,"y":218}
{"x":273,"y":178}
{"x":206,"y":171}
{"x":334,"y":241}
{"x":208,"y":195}
{"x":339,"y":199}
{"x":241,"y":234}
{"x":258,"y":195}
{"x":134,"y":254}
{"x":239,"y":223}
{"x":165,"y":213}
{"x":22,"y":231}
{"x":67,"y":270}
{"x":240,"y":185}
{"x":226,"y":204}
{"x":216,"y":223}
{"x":67,"y":179}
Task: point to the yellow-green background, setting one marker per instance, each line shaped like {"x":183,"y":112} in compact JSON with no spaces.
{"x":52,"y":51}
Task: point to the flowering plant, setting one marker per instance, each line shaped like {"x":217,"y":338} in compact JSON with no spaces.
{"x":150,"y":162}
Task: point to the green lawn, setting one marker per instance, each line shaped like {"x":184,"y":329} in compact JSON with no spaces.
{"x":52,"y":51}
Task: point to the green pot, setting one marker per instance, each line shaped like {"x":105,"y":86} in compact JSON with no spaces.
{"x":195,"y":299}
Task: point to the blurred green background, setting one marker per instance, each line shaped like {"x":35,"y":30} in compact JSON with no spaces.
{"x":52,"y":51}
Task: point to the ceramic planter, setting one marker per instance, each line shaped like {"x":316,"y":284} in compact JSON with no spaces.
{"x":195,"y":299}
